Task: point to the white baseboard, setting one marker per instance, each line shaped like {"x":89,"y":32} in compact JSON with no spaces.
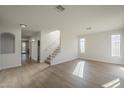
{"x":104,"y":61}
{"x":7,"y":67}
{"x":63,"y":61}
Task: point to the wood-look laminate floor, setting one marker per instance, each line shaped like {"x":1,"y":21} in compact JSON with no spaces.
{"x":74,"y":74}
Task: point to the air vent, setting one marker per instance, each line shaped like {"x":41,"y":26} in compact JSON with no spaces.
{"x":60,"y":8}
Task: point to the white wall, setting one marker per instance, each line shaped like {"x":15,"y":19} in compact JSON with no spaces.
{"x":50,"y":40}
{"x":69,"y":47}
{"x":34,"y":45}
{"x":0,"y":55}
{"x":0,"y":62}
{"x":98,"y":47}
{"x":13,"y":59}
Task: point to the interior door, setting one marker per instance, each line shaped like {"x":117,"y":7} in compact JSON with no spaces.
{"x":38,"y":51}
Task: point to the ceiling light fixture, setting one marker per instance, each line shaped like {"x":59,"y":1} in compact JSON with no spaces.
{"x":33,"y":40}
{"x":23,"y":25}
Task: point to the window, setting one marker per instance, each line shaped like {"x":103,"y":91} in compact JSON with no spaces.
{"x":115,"y":45}
{"x":82,"y":45}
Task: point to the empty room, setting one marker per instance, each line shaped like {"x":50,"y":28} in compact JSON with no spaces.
{"x":61,"y":46}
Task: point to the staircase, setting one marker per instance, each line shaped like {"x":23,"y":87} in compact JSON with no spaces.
{"x":52,"y":56}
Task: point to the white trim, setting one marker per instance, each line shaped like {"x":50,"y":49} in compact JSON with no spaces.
{"x":99,"y":60}
{"x":63,"y":61}
{"x":7,"y":67}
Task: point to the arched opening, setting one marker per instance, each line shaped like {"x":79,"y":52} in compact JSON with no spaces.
{"x":7,"y":41}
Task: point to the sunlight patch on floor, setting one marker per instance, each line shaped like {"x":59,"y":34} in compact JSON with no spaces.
{"x":112,"y":84}
{"x":79,"y":69}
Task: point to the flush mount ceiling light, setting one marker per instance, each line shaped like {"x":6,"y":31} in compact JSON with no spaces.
{"x":88,"y":28}
{"x":33,"y":40}
{"x":23,"y":25}
{"x":60,"y":8}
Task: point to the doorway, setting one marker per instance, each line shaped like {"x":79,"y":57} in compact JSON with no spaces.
{"x":25,"y":52}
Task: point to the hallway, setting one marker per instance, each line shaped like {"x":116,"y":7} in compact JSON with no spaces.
{"x":25,"y":59}
{"x":25,"y":52}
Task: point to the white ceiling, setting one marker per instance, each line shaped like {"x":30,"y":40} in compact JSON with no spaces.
{"x":78,"y":18}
